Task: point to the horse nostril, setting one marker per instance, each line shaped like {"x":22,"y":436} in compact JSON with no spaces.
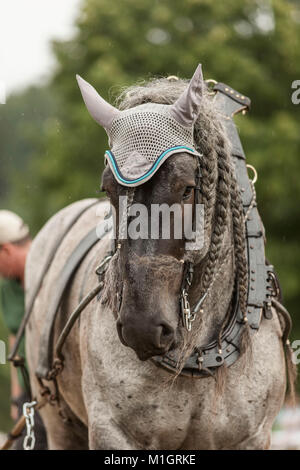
{"x":167,"y":334}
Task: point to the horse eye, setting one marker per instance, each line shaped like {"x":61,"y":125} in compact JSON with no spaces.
{"x":188,"y":192}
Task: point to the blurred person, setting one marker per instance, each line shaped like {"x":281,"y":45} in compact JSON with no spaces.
{"x":15,"y":242}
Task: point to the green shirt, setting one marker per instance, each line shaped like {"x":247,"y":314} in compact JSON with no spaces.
{"x":12,"y":306}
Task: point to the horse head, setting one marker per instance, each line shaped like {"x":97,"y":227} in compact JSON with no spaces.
{"x":154,"y":160}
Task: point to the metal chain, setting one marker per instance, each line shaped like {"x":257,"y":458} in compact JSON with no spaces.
{"x":252,"y":203}
{"x":253,"y":199}
{"x":187,"y":316}
{"x":28,"y":412}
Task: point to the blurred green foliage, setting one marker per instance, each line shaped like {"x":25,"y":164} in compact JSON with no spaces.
{"x":52,"y":152}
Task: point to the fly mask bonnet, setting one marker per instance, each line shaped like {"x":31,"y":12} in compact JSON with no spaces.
{"x":143,"y":137}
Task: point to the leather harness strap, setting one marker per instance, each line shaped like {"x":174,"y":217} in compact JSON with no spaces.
{"x":46,"y":342}
{"x":47,"y":264}
{"x":233,"y":95}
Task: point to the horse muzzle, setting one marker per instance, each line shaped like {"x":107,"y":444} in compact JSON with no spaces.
{"x":145,"y":338}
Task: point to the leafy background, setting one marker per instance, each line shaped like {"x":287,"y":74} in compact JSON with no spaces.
{"x":51,"y":152}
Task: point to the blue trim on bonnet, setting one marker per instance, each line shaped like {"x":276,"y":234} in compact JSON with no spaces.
{"x":152,"y":169}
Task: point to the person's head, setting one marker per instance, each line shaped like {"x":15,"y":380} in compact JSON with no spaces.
{"x":14,"y":245}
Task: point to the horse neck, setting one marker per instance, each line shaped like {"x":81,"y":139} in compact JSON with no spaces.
{"x":219,"y":296}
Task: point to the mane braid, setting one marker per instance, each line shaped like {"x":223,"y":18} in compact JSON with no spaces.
{"x":220,"y":215}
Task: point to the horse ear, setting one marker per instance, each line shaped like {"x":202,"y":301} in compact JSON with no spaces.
{"x":99,"y":109}
{"x":186,"y":109}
